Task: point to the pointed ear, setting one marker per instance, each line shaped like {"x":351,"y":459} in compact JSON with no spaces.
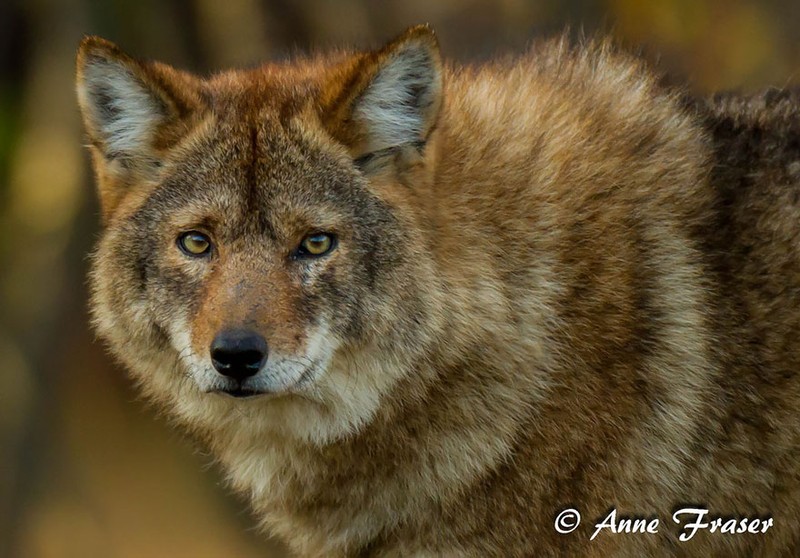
{"x":132,"y":110}
{"x":388,"y":98}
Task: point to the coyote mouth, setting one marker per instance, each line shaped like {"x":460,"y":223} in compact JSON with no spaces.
{"x":240,"y":393}
{"x":245,"y":390}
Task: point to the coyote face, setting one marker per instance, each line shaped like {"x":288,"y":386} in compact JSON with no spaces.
{"x":255,"y":246}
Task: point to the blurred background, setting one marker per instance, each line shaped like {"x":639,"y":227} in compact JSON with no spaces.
{"x":86,"y":468}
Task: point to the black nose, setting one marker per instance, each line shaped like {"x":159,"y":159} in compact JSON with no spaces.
{"x":238,"y":353}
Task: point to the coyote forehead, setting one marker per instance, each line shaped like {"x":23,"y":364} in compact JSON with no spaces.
{"x":417,"y":308}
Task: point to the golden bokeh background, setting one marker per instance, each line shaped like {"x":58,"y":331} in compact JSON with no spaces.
{"x":86,"y":468}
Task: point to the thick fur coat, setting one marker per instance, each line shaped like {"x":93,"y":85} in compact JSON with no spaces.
{"x":555,"y":284}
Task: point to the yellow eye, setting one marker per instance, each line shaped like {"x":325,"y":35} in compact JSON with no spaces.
{"x":194,"y":244}
{"x":317,"y":244}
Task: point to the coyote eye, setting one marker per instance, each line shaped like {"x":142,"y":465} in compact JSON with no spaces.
{"x":194,"y":244}
{"x":317,"y":244}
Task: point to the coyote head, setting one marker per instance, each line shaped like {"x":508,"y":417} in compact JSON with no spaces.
{"x":265,"y":241}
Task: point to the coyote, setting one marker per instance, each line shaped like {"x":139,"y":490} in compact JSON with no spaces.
{"x":418,"y":308}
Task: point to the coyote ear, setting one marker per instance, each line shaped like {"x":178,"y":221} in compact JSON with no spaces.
{"x":390,"y":97}
{"x":131,"y":110}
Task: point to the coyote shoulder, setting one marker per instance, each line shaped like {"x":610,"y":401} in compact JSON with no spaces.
{"x":418,"y":308}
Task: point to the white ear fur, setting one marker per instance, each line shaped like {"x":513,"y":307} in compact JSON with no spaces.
{"x":400,"y":104}
{"x":119,"y":107}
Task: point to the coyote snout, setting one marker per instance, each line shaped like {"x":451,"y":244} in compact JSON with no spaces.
{"x":240,"y":362}
{"x":238,"y":353}
{"x":245,"y":366}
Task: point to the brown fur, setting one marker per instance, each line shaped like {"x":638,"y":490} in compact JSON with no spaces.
{"x":568,"y":288}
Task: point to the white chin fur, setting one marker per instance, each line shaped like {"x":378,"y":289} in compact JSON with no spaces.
{"x":318,"y":397}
